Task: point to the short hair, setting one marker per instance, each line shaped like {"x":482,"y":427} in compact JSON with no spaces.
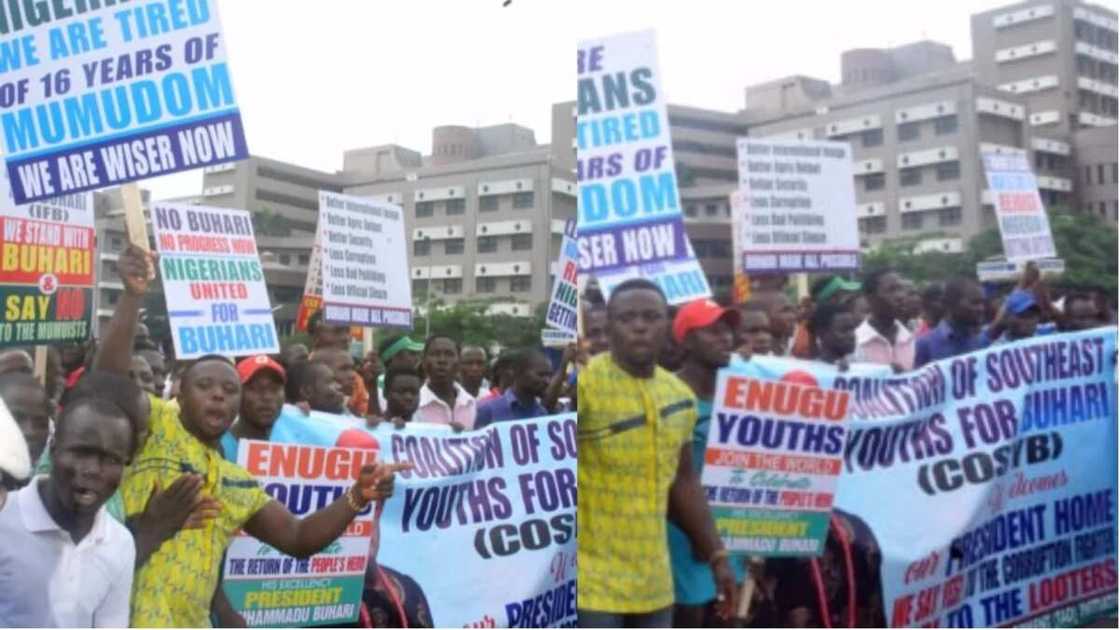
{"x":116,"y":388}
{"x":485,"y":354}
{"x":100,"y":406}
{"x":955,"y":289}
{"x":299,"y":377}
{"x":399,"y":372}
{"x":524,"y":358}
{"x":635,"y":284}
{"x":823,"y":316}
{"x":19,"y":379}
{"x":873,"y":277}
{"x":503,"y":361}
{"x":320,"y":355}
{"x":933,"y":293}
{"x":433,"y":338}
{"x":206,"y":358}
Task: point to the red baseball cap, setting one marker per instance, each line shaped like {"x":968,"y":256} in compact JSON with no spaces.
{"x":699,"y":314}
{"x":248,"y":368}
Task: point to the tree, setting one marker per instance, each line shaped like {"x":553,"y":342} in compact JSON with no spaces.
{"x":468,"y":322}
{"x":1086,"y":243}
{"x":269,"y":223}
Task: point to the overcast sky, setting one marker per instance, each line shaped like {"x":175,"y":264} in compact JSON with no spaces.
{"x":315,"y":79}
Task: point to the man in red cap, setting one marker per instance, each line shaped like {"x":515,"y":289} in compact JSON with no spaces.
{"x":706,"y":333}
{"x":262,"y":398}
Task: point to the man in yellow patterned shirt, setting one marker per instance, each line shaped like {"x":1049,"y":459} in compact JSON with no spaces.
{"x":175,"y":584}
{"x":635,"y":468}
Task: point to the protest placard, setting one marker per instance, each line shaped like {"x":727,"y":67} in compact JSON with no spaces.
{"x":986,"y":483}
{"x":364,"y":264}
{"x":563,"y":308}
{"x":1023,"y":224}
{"x":270,"y":589}
{"x":99,"y":94}
{"x":630,"y":222}
{"x":553,"y":338}
{"x":772,"y":462}
{"x":46,"y":269}
{"x":213,"y":282}
{"x":479,"y":507}
{"x":1007,"y":271}
{"x":312,"y":299}
{"x":799,"y":213}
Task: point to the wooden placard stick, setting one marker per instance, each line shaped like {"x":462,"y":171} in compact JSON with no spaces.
{"x":134,"y":219}
{"x":746,"y":592}
{"x":41,"y":364}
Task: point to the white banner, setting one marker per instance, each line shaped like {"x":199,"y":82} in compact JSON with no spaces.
{"x":1023,"y":223}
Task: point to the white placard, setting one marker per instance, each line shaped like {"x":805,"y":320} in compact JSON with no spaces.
{"x":1023,"y":224}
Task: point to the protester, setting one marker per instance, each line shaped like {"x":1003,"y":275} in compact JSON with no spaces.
{"x":595,"y":328}
{"x":325,"y":334}
{"x":402,"y":397}
{"x":176,"y":586}
{"x":442,"y":400}
{"x":932,"y":308}
{"x":635,"y":424}
{"x":523,"y":400}
{"x":501,"y":374}
{"x":1021,"y":318}
{"x":882,"y":338}
{"x":783,"y":317}
{"x":472,"y":370}
{"x":331,"y":342}
{"x":753,"y":334}
{"x":370,"y":370}
{"x":142,"y":339}
{"x":315,"y":385}
{"x":27,"y":401}
{"x":706,"y":333}
{"x":911,"y":311}
{"x":397,"y":351}
{"x":341,"y":365}
{"x":158,"y":365}
{"x":1079,"y":312}
{"x":671,"y":356}
{"x":294,"y":354}
{"x":65,"y":562}
{"x":959,"y":332}
{"x":262,"y":398}
{"x":833,"y":327}
{"x":141,"y":374}
{"x":832,"y":289}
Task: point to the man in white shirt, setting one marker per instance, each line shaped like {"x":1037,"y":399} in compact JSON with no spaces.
{"x":64,"y":561}
{"x":881,"y":338}
{"x":442,"y":400}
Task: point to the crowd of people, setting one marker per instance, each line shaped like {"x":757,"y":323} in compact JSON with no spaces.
{"x":645,"y":406}
{"x":119,"y":487}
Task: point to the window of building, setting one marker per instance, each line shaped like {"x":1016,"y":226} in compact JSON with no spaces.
{"x":285,"y":259}
{"x":523,"y":200}
{"x":304,"y":259}
{"x":949,"y":216}
{"x":1100,"y":174}
{"x":912,"y":221}
{"x":487,"y":244}
{"x":456,"y":206}
{"x":425,"y":209}
{"x":522,"y":242}
{"x":690,"y":210}
{"x":1088,"y":175}
{"x":909,"y":131}
{"x":1104,"y":208}
{"x":873,"y":225}
{"x":421,"y":248}
{"x":489,"y":203}
{"x":520,"y":284}
{"x":116,"y":244}
{"x":113,"y":296}
{"x":1114,"y":179}
{"x":873,"y":137}
{"x":419,"y":287}
{"x":910,"y":176}
{"x":453,"y":246}
{"x":874,"y":181}
{"x":452,"y":286}
{"x":945,"y":125}
{"x":948,"y":171}
{"x":711,"y":209}
{"x":485,"y":285}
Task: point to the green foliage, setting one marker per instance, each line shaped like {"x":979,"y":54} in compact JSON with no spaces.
{"x":269,"y":223}
{"x":1087,"y":244}
{"x":468,"y":322}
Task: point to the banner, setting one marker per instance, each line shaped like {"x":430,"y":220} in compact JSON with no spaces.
{"x":630,"y":222}
{"x":552,"y":338}
{"x":47,"y":266}
{"x":563,"y":308}
{"x":1023,"y":223}
{"x":364,"y":263}
{"x":799,"y":214}
{"x":773,"y":458}
{"x":988,"y":480}
{"x":96,"y":96}
{"x":485,"y":522}
{"x":213,"y":282}
{"x":270,"y":589}
{"x":312,"y":299}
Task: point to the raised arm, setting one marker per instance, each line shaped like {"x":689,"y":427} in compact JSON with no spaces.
{"x":688,"y":509}
{"x":137,"y":270}
{"x":276,"y":526}
{"x":556,"y":386}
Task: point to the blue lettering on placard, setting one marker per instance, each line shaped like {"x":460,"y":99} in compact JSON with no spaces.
{"x":225,"y":338}
{"x":681,"y":286}
{"x":627,"y":199}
